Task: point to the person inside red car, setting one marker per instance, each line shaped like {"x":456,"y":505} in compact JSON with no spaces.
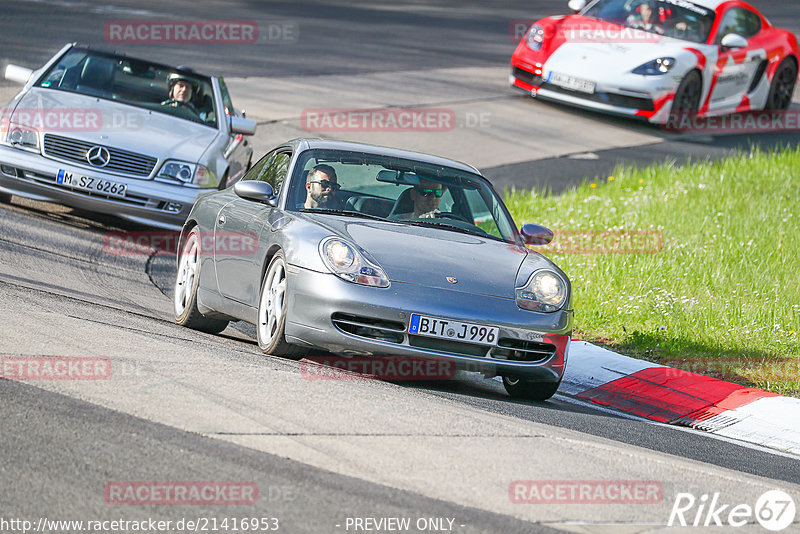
{"x":645,"y":19}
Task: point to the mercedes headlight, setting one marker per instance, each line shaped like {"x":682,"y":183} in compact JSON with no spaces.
{"x":348,"y":263}
{"x":657,"y":67}
{"x":22,"y":137}
{"x":535,"y":37}
{"x":188,"y":173}
{"x":544,"y":292}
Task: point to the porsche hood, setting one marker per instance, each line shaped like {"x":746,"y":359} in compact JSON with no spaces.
{"x":434,"y":257}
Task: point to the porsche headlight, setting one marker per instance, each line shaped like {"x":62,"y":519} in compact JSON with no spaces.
{"x":657,"y":67}
{"x":535,"y":37}
{"x":22,"y":137}
{"x":345,"y":261}
{"x":544,"y":292}
{"x":187,"y":173}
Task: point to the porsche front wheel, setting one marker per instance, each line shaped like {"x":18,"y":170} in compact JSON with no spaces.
{"x":185,"y":293}
{"x":272,"y":304}
{"x":687,"y":97}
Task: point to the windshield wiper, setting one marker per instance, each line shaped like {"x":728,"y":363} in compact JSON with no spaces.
{"x":446,"y":226}
{"x":346,"y":213}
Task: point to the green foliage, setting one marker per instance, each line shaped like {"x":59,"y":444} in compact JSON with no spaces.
{"x":724,"y":285}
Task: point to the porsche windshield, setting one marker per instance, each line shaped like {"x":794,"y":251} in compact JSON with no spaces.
{"x":400,"y":190}
{"x":672,"y":18}
{"x":131,"y":81}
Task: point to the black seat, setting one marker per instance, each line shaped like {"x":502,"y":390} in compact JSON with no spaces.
{"x":97,"y":76}
{"x":380,"y":207}
{"x":205,"y":105}
{"x":403,"y":204}
{"x":300,"y":191}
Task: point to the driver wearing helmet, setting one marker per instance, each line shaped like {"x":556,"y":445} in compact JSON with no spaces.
{"x":181,"y":90}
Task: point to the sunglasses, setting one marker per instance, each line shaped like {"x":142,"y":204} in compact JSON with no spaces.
{"x":428,"y":192}
{"x":327,"y":184}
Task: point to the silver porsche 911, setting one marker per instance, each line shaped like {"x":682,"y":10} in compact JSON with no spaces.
{"x":113,"y":134}
{"x":366,"y":251}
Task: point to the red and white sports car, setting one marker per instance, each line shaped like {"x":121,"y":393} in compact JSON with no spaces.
{"x":658,"y":59}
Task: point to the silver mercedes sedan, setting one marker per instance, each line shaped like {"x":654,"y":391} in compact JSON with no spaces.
{"x":117,"y":135}
{"x":370,"y":252}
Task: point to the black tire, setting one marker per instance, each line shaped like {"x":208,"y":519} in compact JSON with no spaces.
{"x":5,"y":198}
{"x":185,"y":292}
{"x":781,"y":91}
{"x":520,"y":388}
{"x":687,"y":98}
{"x":273,"y":299}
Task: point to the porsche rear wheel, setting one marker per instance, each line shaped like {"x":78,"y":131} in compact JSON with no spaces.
{"x":185,"y":293}
{"x":272,"y":303}
{"x":520,"y":388}
{"x":781,"y":91}
{"x":687,"y":97}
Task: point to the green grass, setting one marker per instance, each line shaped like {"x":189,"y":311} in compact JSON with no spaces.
{"x":722,"y":297}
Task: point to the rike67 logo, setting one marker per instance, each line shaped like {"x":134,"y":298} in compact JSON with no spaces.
{"x":774,"y":510}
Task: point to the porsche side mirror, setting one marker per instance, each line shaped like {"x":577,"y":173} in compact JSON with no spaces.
{"x":534,"y":234}
{"x":243,"y":126}
{"x":733,"y":41}
{"x":18,"y":74}
{"x":576,"y":5}
{"x":255,"y":190}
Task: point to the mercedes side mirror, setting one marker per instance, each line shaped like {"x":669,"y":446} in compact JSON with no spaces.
{"x":18,"y":74}
{"x":243,"y":126}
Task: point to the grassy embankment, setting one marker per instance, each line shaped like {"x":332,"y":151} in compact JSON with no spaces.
{"x":721,"y":297}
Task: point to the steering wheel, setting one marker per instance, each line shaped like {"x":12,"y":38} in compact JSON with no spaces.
{"x":182,"y":105}
{"x":192,"y":108}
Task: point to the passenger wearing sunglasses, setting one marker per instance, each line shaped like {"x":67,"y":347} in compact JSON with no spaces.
{"x":426,"y":198}
{"x":321,"y":187}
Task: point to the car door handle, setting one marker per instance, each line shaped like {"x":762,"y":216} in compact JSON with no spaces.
{"x":221,"y":220}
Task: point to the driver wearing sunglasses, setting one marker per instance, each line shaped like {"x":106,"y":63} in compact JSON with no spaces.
{"x":321,"y":187}
{"x":426,"y":198}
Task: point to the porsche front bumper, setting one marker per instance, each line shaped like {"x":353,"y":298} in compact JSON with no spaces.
{"x":327,"y":313}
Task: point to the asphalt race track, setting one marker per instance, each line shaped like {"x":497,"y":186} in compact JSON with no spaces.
{"x":186,"y":406}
